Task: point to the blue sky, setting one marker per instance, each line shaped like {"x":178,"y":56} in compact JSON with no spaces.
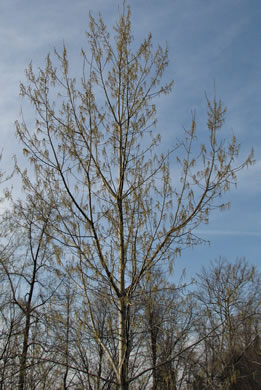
{"x":210,"y":42}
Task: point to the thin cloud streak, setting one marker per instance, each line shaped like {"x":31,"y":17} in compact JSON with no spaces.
{"x":228,"y":233}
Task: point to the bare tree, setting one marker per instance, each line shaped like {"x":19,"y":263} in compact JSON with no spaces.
{"x":26,"y":266}
{"x":167,"y":320}
{"x":118,"y":209}
{"x":229,"y":295}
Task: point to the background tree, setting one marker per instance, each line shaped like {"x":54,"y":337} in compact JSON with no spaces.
{"x":82,"y":359}
{"x":229,"y":296}
{"x":27,"y":269}
{"x":167,"y":321}
{"x":117,"y":208}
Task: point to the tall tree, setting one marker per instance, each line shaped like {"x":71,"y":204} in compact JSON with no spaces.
{"x":118,"y":209}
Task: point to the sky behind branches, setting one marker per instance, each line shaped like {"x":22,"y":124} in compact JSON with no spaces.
{"x":211,"y":43}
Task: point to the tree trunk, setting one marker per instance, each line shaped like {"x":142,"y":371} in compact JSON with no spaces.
{"x":123,"y":344}
{"x":22,"y":371}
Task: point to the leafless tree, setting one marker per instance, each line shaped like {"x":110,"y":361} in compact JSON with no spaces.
{"x":229,"y":295}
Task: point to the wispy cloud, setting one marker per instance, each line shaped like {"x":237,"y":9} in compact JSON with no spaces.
{"x":236,"y":233}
